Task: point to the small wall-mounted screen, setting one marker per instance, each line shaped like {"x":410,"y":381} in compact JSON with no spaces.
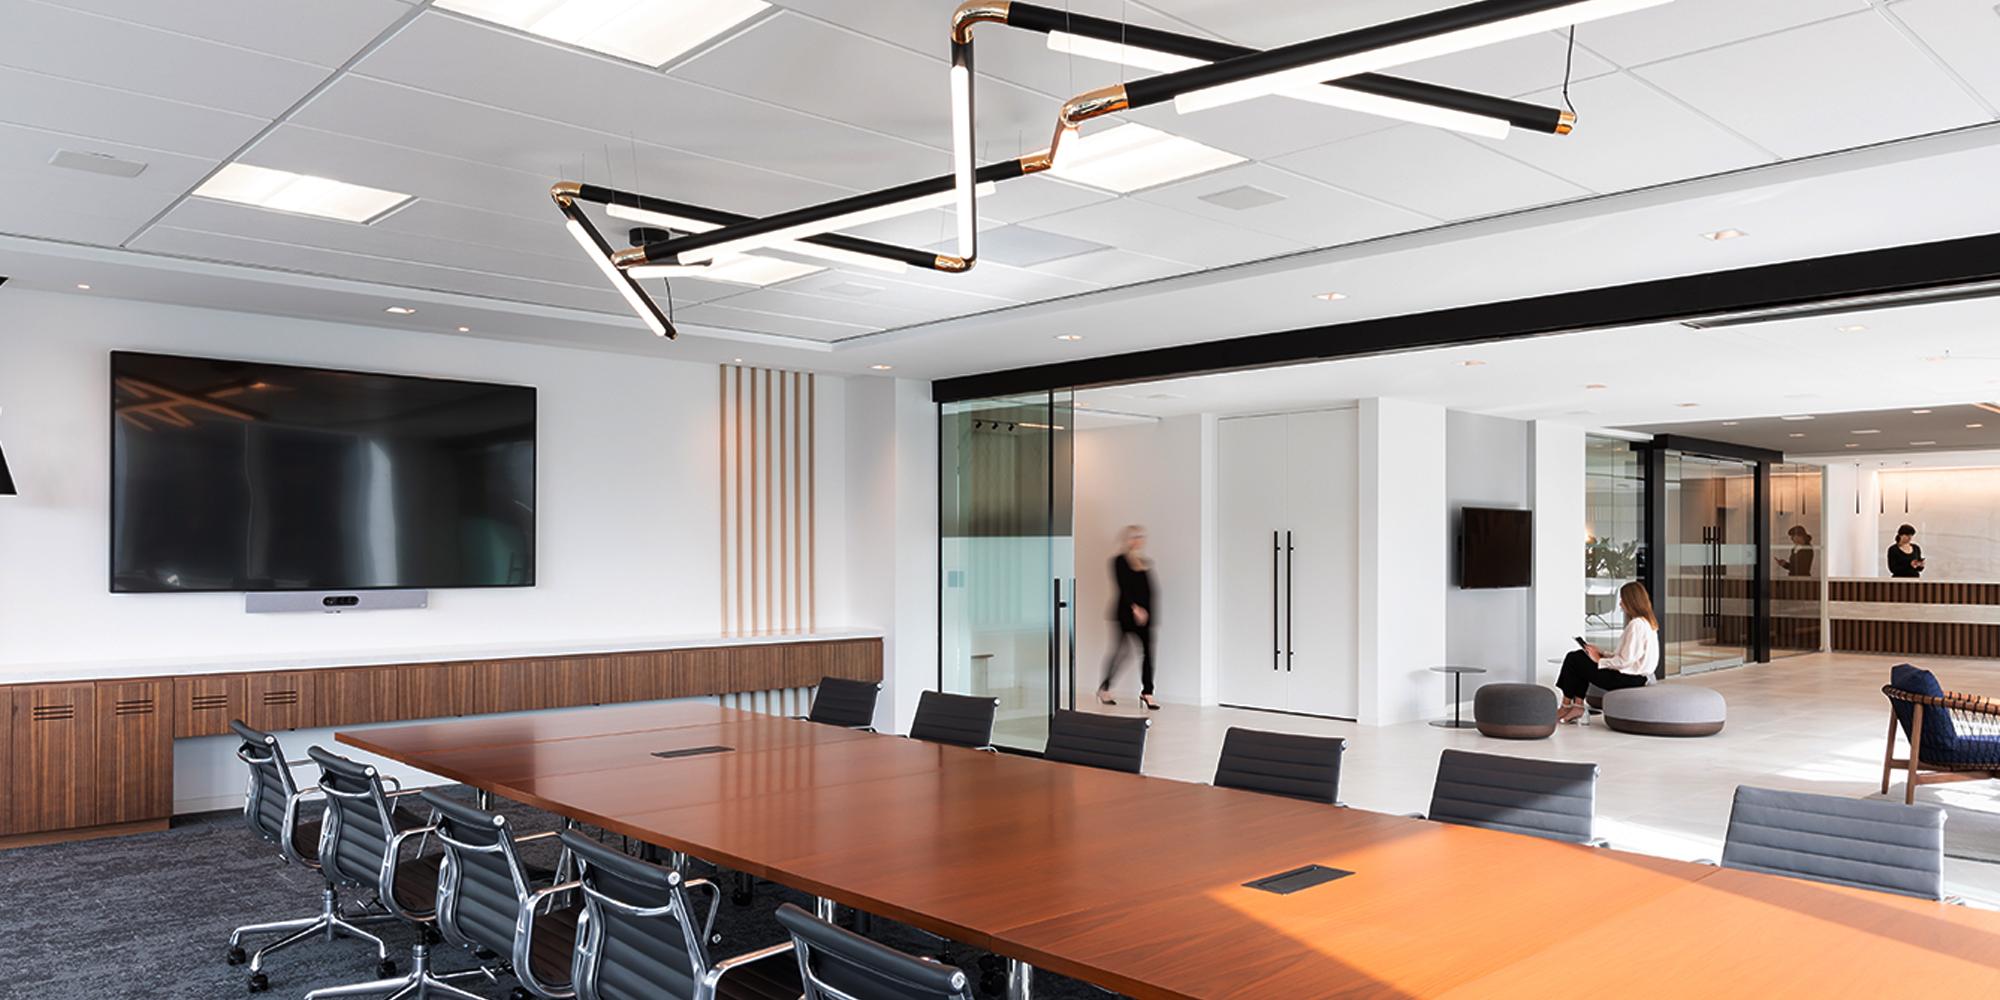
{"x":1496,"y":548}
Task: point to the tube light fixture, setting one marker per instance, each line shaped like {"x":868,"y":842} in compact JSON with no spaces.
{"x":863,"y":217}
{"x":832,"y":255}
{"x":736,"y":269}
{"x":1357,"y":52}
{"x":1324,"y":94}
{"x":965,"y":191}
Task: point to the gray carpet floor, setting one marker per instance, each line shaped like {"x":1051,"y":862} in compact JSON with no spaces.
{"x":148,"y":917}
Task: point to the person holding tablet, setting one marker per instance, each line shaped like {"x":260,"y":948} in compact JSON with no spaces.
{"x":1906,"y":557}
{"x":1631,"y":666}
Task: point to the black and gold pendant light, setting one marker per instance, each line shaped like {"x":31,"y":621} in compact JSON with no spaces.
{"x":1200,"y":74}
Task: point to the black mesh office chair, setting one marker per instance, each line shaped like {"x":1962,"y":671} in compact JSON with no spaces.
{"x":636,"y":939}
{"x":958,"y":719}
{"x":281,"y":813}
{"x":1541,"y":798}
{"x":1112,"y":742}
{"x":845,"y":703}
{"x":487,"y":900}
{"x":362,"y":846}
{"x":1297,"y":767}
{"x":837,"y":964}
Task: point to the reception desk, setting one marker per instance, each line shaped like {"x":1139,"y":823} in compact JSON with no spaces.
{"x":87,"y":749}
{"x":1914,"y":617}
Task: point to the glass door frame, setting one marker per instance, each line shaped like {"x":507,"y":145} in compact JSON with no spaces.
{"x":1652,"y":562}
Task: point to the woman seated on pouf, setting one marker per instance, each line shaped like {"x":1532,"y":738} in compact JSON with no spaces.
{"x":1631,"y":666}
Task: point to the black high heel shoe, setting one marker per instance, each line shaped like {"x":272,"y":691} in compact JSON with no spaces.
{"x":1147,"y":700}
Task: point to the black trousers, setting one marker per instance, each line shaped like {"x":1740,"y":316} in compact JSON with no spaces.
{"x":1579,"y":672}
{"x":1129,"y":631}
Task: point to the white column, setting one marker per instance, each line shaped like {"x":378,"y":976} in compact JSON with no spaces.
{"x":1555,"y":492}
{"x":1404,"y":559}
{"x":892,"y":541}
{"x":1211,"y":663}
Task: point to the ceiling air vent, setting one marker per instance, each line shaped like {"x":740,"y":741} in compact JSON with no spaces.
{"x":1243,"y":196}
{"x":96,"y":163}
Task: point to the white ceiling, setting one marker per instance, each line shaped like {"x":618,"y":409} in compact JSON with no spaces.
{"x":820,"y":98}
{"x":1666,"y":377}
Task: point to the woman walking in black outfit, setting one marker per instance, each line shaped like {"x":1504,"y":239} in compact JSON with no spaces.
{"x":1134,"y":614}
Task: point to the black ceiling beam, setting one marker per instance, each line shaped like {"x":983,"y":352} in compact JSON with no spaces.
{"x":1711,"y":447}
{"x":1896,"y":269}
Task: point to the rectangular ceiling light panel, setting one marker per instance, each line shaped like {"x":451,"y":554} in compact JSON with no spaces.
{"x":652,"y":32}
{"x":1132,"y":156}
{"x":300,"y":194}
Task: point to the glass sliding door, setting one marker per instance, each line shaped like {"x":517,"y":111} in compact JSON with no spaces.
{"x":1798,"y":558}
{"x":1006,"y":610}
{"x":1711,"y":562}
{"x":1614,"y":506}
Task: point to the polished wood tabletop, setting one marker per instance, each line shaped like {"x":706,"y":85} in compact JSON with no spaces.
{"x":1137,"y":883}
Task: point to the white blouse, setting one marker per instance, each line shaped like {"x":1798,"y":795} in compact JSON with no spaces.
{"x":1638,"y":649}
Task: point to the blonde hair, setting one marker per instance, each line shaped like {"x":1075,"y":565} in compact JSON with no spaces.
{"x":1638,"y":603}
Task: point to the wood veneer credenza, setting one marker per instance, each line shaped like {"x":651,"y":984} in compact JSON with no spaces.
{"x":1915,"y":617}
{"x":84,"y":758}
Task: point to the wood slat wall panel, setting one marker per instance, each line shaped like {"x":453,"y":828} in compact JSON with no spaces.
{"x":1963,"y":639}
{"x":55,"y":742}
{"x":767,"y":430}
{"x":1915,"y":592}
{"x":135,"y":751}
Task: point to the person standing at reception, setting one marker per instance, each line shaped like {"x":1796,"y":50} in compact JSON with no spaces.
{"x":1133,"y":613}
{"x":1631,"y":666}
{"x":1906,"y":557}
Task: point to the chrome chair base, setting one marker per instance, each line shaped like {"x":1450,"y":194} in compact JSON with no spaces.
{"x":420,"y":984}
{"x":330,"y":923}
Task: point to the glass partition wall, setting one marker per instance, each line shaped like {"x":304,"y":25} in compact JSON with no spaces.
{"x":1614,"y":508}
{"x":1006,"y":615}
{"x":1798,"y":556}
{"x":1710,"y":563}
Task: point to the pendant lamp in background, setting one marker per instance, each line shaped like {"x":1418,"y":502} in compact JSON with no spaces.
{"x":6,"y":478}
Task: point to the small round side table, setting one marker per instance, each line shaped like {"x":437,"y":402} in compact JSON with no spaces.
{"x":1457,"y":696}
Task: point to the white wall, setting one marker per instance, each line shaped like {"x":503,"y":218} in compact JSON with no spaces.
{"x":627,"y":497}
{"x":1486,"y":465}
{"x":1150,"y":474}
{"x":892,"y":535}
{"x":1404,"y":560}
{"x":1557,"y":496}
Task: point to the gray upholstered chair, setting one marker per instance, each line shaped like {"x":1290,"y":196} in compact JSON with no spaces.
{"x":1112,"y":742}
{"x":1541,"y":798}
{"x":845,"y":703}
{"x":837,"y":964}
{"x":1299,"y":767}
{"x":958,"y":719}
{"x":288,"y":817}
{"x":1515,"y":711}
{"x":637,"y":938}
{"x":1826,"y":838}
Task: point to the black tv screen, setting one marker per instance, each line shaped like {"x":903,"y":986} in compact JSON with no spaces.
{"x":1496,"y":548}
{"x":244,"y":476}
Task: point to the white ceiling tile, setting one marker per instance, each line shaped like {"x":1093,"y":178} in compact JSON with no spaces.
{"x":75,"y":45}
{"x":1263,"y":128}
{"x":1832,"y":85}
{"x":924,"y":26}
{"x":1034,"y":196}
{"x":1691,"y":25}
{"x":381,"y":270}
{"x":1966,"y":35}
{"x":999,"y":281}
{"x":835,"y":73}
{"x":626,"y":103}
{"x":552,"y":150}
{"x":915,"y":294}
{"x":1511,"y":69}
{"x":1113,"y":267}
{"x":1023,"y":246}
{"x":428,"y":176}
{"x":752,"y":321}
{"x":86,"y":207}
{"x":873,"y":311}
{"x":1429,"y":171}
{"x":1130,"y":224}
{"x":1307,"y":212}
{"x":325,"y":34}
{"x":78,"y":108}
{"x":1629,"y":135}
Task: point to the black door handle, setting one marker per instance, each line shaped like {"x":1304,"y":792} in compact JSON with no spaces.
{"x":1288,"y":601}
{"x":1275,"y":648}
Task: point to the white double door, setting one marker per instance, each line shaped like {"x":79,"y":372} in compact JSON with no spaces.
{"x":1288,"y":528}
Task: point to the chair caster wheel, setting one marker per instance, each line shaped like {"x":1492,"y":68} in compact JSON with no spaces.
{"x":992,"y":986}
{"x":520,"y":994}
{"x":386,"y":968}
{"x":715,"y":939}
{"x":236,"y":956}
{"x":485,"y":954}
{"x":259,"y":983}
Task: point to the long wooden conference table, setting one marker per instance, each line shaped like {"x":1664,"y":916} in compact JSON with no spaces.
{"x":1137,"y":883}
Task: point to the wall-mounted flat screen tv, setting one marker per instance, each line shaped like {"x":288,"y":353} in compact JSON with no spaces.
{"x":246,"y":476}
{"x":1496,"y":548}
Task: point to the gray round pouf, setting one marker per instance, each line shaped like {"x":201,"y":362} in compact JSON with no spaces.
{"x":1514,"y":711}
{"x":1666,"y":710}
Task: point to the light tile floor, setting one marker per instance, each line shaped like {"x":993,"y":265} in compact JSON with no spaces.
{"x":1810,"y":723}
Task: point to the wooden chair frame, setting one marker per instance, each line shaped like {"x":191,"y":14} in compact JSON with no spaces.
{"x":1920,"y":772}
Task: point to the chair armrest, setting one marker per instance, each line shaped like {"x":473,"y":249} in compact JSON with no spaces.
{"x":714,"y":904}
{"x":722,"y":968}
{"x":1415,"y":816}
{"x":1597,"y":842}
{"x":524,"y":938}
{"x":1710,"y":862}
{"x":302,"y":762}
{"x":989,"y":748}
{"x":287,"y":841}
{"x":385,"y":883}
{"x":402,"y":792}
{"x":544,"y":835}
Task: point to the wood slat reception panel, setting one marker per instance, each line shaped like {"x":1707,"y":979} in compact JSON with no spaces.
{"x":1914,"y":592}
{"x":100,"y":754}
